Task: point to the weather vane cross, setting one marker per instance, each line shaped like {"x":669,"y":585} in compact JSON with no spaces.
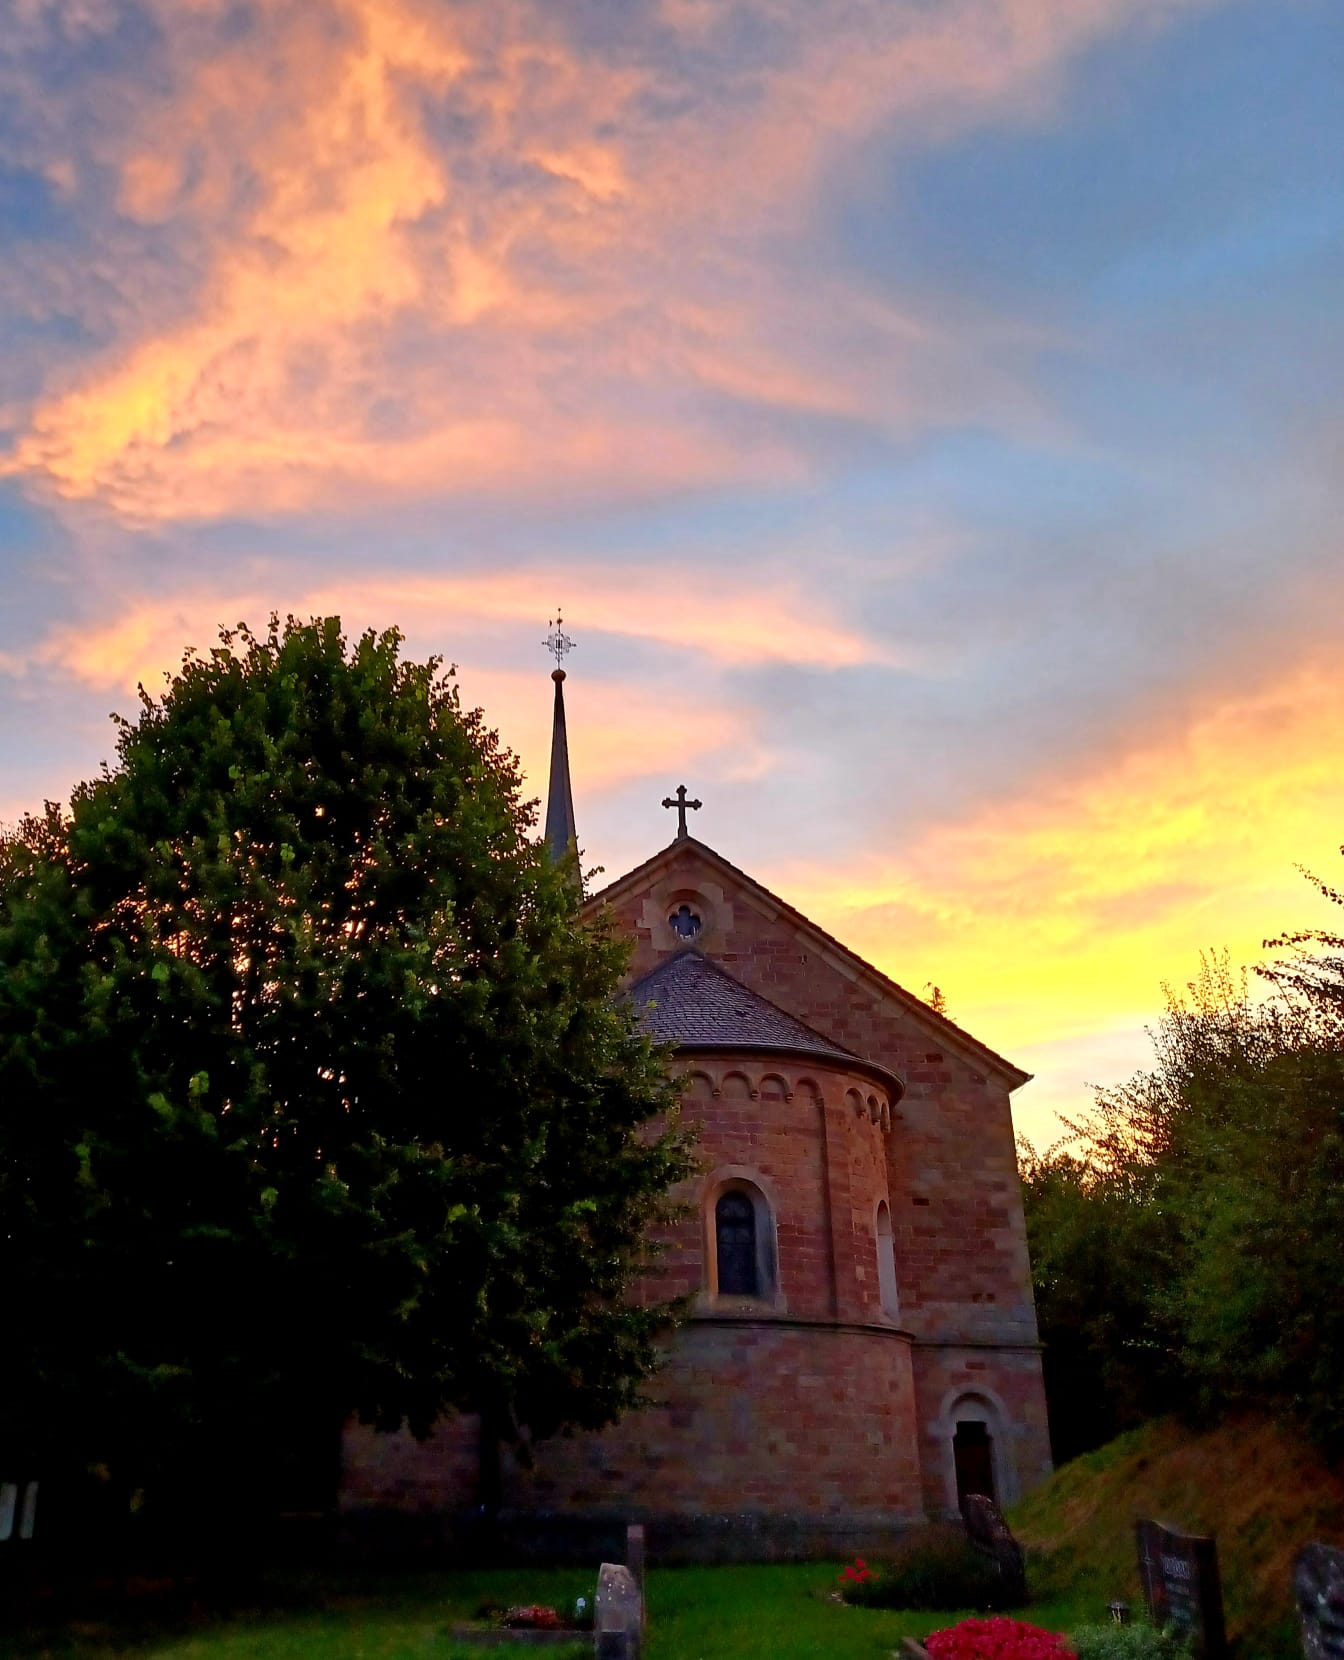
{"x":557,"y":642}
{"x":680,"y":802}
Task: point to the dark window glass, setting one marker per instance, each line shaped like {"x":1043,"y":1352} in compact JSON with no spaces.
{"x":735,"y":1229}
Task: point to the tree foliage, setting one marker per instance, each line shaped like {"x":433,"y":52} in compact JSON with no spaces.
{"x":317,"y":1098}
{"x":1097,"y":1250}
{"x":1186,"y":1238}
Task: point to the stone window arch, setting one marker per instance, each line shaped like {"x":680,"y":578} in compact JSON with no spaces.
{"x":740,"y":1255}
{"x":977,"y":1434}
{"x":886,"y":1262}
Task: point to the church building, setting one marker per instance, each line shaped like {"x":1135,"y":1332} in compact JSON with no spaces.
{"x":861,"y":1349}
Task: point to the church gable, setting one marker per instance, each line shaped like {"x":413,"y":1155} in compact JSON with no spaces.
{"x":687,"y":895}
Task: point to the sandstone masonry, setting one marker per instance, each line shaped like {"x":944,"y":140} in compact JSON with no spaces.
{"x":863,"y":1342}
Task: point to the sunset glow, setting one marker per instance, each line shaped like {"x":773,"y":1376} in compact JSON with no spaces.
{"x":928,"y":417}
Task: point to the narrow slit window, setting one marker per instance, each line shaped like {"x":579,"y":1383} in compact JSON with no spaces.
{"x":886,"y":1263}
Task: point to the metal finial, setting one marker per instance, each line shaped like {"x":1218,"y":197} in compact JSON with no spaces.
{"x":680,"y":802}
{"x":557,"y":642}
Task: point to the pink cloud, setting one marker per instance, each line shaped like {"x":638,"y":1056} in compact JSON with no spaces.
{"x":723,"y":619}
{"x":550,"y":300}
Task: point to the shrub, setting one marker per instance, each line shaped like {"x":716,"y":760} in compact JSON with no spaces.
{"x":999,"y":1639}
{"x":1126,"y":1642}
{"x":934,"y":1568}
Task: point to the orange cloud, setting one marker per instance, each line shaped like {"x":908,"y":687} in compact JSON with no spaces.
{"x":546,"y":297}
{"x":1050,"y":920}
{"x":706,"y":616}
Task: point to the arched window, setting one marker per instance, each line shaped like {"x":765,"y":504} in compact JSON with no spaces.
{"x":886,"y":1263}
{"x":736,"y":1245}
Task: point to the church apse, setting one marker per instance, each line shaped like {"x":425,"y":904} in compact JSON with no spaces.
{"x":852,"y":1252}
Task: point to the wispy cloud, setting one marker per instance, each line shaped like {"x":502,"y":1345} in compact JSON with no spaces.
{"x":1054,"y":914}
{"x":472,"y":248}
{"x":927,"y":414}
{"x":703,"y":616}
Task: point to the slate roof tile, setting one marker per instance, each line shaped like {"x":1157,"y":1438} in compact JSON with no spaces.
{"x":693,"y":1002}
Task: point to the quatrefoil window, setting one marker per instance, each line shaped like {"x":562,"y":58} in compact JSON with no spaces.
{"x":685,"y":922}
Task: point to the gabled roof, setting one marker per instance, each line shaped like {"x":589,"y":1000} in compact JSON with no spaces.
{"x":695,"y":1004}
{"x":860,"y":969}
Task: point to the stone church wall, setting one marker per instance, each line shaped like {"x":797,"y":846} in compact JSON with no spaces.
{"x":956,"y":1204}
{"x":820,"y":1412}
{"x":792,"y":1414}
{"x":765,"y":1438}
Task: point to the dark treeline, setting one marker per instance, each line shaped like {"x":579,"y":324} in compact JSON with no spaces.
{"x":1187,"y":1237}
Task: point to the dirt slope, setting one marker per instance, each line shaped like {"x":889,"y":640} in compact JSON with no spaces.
{"x":1262,"y":1491}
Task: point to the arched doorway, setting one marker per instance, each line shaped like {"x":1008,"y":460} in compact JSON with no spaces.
{"x":973,"y":1459}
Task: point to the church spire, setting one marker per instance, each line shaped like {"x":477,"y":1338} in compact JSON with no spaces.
{"x":562,"y":841}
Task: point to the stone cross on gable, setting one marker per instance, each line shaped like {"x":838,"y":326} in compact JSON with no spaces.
{"x":680,"y":802}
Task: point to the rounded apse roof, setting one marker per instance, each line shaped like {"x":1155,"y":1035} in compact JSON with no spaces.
{"x":693,"y":1003}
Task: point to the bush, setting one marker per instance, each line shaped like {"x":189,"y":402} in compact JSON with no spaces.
{"x":934,"y":1568}
{"x":1125,"y":1642}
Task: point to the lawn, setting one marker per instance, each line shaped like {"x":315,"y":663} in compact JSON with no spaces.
{"x":738,"y":1613}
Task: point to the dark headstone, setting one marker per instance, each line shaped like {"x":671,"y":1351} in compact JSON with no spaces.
{"x":634,"y":1554}
{"x":989,"y":1533}
{"x":1179,"y":1572}
{"x":1318,"y":1588}
{"x":618,"y":1614}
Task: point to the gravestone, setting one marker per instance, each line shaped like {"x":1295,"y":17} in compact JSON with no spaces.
{"x":18,"y":1509}
{"x":989,"y":1533}
{"x":1179,"y":1573}
{"x":1318,"y":1589}
{"x":618,"y":1614}
{"x":634,"y":1555}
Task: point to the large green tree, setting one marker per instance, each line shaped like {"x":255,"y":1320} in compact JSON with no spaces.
{"x":317,"y":1098}
{"x":1186,"y":1243}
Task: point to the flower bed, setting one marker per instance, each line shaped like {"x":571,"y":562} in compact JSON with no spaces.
{"x":996,"y":1639}
{"x":526,"y":1625}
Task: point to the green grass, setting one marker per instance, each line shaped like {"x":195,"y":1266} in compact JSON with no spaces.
{"x":784,"y":1613}
{"x":735,"y":1613}
{"x":1263,"y":1492}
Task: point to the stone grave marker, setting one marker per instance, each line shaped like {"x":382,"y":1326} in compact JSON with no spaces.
{"x":18,"y":1509}
{"x":618,"y":1614}
{"x":1179,"y":1572}
{"x":634,"y":1554}
{"x":990,"y":1534}
{"x":1318,"y":1589}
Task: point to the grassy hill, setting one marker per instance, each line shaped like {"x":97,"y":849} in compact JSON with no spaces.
{"x":1262,"y":1491}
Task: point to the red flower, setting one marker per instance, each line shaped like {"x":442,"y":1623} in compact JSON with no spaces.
{"x":997,"y":1639}
{"x":533,"y":1615}
{"x":856,"y":1572}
